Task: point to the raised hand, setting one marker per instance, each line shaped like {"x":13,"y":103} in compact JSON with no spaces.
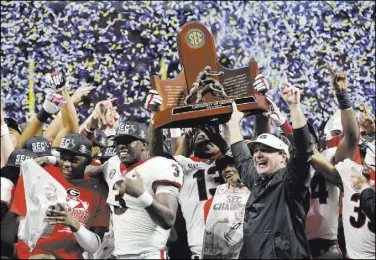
{"x":260,"y":84}
{"x":56,"y":81}
{"x":290,"y":94}
{"x":153,"y":100}
{"x":339,"y":79}
{"x":80,"y":93}
{"x":236,"y":116}
{"x":105,"y":104}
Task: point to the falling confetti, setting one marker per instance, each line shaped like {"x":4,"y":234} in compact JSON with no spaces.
{"x":116,"y":46}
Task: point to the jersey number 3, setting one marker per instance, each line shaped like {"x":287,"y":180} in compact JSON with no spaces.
{"x":123,"y":207}
{"x":358,"y":223}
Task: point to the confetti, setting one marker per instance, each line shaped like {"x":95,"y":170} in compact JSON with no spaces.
{"x":116,"y":46}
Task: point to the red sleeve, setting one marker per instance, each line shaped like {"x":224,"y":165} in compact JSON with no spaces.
{"x":19,"y":200}
{"x":102,"y":215}
{"x":207,"y":207}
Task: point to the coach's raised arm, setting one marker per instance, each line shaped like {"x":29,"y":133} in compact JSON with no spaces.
{"x":275,"y":216}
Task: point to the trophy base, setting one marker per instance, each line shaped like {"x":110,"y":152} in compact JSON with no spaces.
{"x":206,"y":113}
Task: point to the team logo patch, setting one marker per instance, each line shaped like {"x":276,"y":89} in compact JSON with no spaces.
{"x":112,"y":173}
{"x":73,"y":192}
{"x":102,"y":141}
{"x":195,"y":38}
{"x":82,"y":149}
{"x":263,"y":136}
{"x":142,"y":134}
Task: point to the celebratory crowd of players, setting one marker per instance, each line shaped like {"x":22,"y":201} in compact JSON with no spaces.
{"x":108,"y":189}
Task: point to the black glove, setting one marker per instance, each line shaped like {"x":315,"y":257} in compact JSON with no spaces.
{"x":212,"y":131}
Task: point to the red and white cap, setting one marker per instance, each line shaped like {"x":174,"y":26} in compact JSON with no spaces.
{"x":271,"y":141}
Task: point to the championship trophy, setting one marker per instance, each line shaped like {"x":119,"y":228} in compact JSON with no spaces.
{"x":203,"y":91}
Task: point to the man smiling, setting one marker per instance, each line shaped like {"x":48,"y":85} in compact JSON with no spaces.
{"x":275,"y":213}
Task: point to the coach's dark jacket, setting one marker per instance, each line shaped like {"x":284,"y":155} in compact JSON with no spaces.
{"x":274,"y":220}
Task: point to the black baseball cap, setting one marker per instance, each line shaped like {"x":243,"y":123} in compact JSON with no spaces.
{"x":100,"y":138}
{"x":39,"y":145}
{"x":132,"y":130}
{"x":18,"y":156}
{"x":108,"y":152}
{"x":223,"y":161}
{"x":11,"y":123}
{"x":75,"y":143}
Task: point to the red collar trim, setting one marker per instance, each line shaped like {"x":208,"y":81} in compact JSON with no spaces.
{"x":123,"y":167}
{"x":196,"y":159}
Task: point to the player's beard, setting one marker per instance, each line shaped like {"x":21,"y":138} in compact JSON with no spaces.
{"x":206,"y":149}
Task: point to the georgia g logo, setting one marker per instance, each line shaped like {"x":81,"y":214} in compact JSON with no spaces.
{"x":73,"y":192}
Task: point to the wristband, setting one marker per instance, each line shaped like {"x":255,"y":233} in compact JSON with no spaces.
{"x":145,"y":199}
{"x":52,"y":160}
{"x":4,"y":130}
{"x":344,"y":102}
{"x":286,"y":128}
{"x":175,"y":132}
{"x":43,"y":115}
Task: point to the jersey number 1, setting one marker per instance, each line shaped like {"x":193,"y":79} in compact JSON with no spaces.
{"x":201,"y":183}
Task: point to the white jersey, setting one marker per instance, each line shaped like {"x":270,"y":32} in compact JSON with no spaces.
{"x":135,"y":232}
{"x":322,"y":217}
{"x":360,"y":238}
{"x":200,"y":183}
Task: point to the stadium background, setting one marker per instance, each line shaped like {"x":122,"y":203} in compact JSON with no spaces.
{"x":116,"y":46}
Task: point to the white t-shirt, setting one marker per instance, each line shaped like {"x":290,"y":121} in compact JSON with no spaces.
{"x":200,"y":182}
{"x":224,"y":225}
{"x":322,"y":217}
{"x":135,"y":232}
{"x":360,"y":240}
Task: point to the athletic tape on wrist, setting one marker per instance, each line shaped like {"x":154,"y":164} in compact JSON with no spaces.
{"x":344,"y":102}
{"x":145,"y":199}
{"x":52,"y":160}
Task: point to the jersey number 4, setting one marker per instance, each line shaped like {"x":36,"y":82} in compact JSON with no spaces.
{"x":318,"y":189}
{"x":201,"y":183}
{"x":358,"y":223}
